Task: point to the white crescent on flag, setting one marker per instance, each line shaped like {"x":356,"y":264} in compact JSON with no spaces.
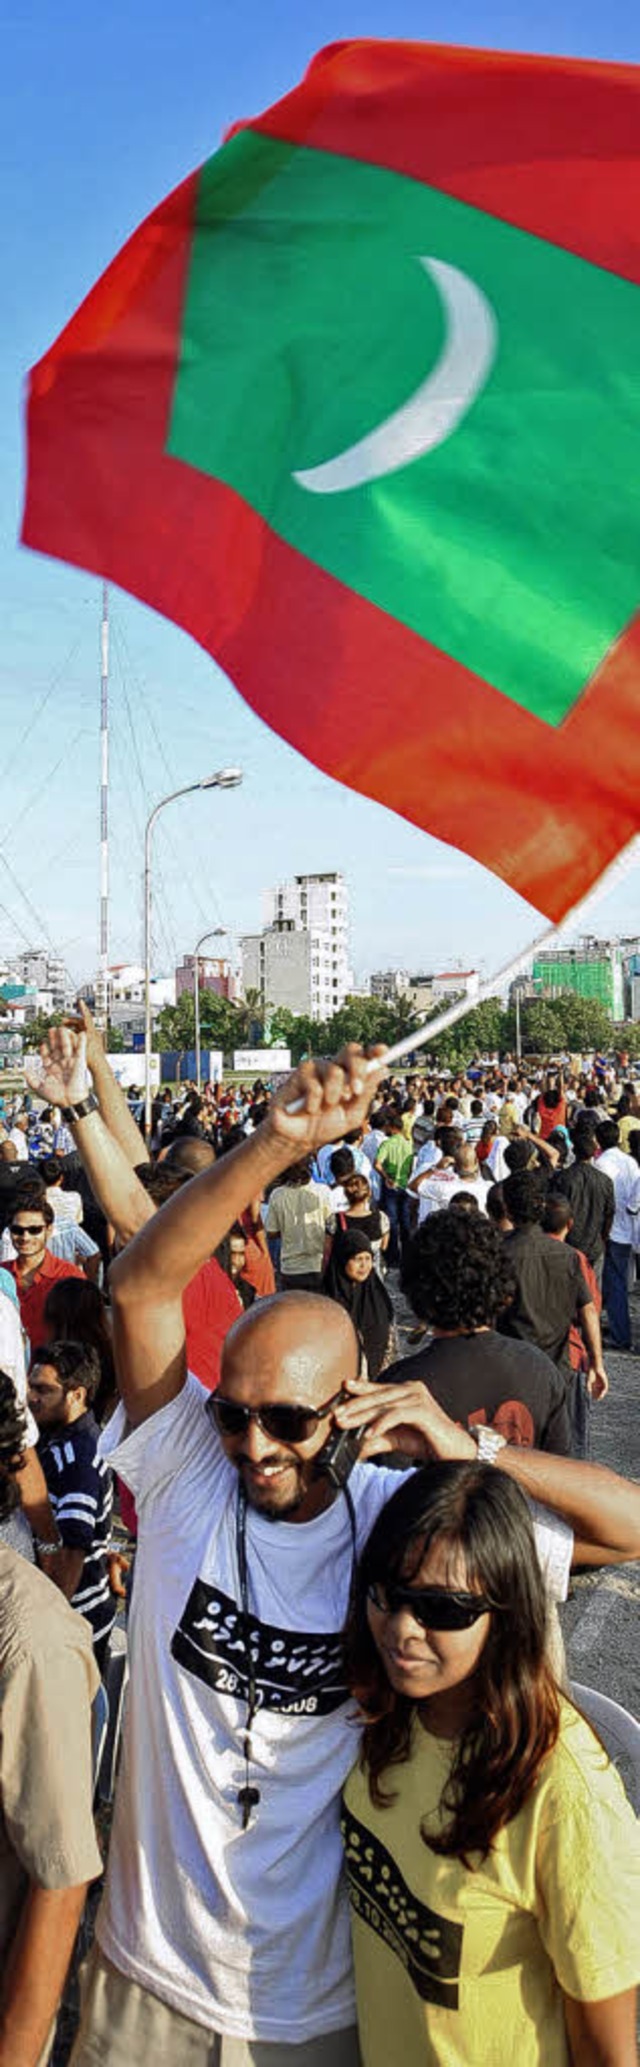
{"x":435,"y":409}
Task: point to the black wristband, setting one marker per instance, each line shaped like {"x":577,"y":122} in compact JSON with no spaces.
{"x":69,"y":1113}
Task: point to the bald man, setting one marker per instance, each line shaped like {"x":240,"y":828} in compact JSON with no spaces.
{"x":456,"y":1173}
{"x":223,"y":1937}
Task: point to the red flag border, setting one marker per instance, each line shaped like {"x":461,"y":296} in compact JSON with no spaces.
{"x":358,"y":694}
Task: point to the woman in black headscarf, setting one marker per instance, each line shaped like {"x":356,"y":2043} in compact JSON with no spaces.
{"x":351,"y":1280}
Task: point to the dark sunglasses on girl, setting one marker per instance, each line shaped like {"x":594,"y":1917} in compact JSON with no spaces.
{"x":284,"y":1422}
{"x":434,"y":1607}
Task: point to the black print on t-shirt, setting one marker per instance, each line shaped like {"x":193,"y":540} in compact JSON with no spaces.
{"x":429,"y":1946}
{"x":296,"y":1672}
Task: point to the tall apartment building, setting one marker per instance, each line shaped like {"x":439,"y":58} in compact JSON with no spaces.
{"x":301,"y":959}
{"x":43,"y":971}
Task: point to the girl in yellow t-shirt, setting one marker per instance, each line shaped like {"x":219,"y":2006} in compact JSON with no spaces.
{"x":493,"y":1859}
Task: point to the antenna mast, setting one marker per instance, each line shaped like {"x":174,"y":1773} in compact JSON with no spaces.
{"x":102,"y":987}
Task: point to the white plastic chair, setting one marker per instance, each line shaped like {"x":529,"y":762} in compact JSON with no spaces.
{"x":620,"y":1733}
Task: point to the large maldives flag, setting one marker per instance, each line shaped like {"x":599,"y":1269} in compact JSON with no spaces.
{"x":359,"y":407}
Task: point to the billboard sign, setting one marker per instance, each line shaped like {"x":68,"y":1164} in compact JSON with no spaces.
{"x":260,"y":1062}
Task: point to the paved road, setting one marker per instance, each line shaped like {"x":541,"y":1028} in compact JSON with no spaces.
{"x":601,"y":1619}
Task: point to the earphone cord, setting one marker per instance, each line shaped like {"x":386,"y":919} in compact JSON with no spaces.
{"x":248,"y":1796}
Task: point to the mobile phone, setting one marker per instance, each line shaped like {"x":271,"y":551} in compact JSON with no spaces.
{"x":336,"y":1459}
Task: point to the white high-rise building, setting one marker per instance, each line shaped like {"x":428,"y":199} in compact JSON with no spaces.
{"x":47,"y":972}
{"x":309,"y":974}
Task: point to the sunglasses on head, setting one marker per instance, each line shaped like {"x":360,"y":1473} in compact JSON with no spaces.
{"x":434,"y":1607}
{"x":284,"y":1422}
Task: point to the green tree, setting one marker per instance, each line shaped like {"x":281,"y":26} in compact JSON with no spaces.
{"x":114,"y":1040}
{"x":36,"y":1029}
{"x":175,"y":1026}
{"x":251,"y":1018}
{"x":586,"y":1023}
{"x":626,"y":1038}
{"x":360,"y":1019}
{"x":483,"y":1030}
{"x":218,"y":1023}
{"x":542,"y":1028}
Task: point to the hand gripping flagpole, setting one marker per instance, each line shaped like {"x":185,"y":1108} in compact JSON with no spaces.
{"x":431,"y":1028}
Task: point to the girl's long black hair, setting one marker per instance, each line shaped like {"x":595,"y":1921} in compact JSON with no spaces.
{"x":480,"y":1513}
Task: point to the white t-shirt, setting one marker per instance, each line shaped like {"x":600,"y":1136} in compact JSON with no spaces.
{"x":625,"y":1178}
{"x":19,"y":1139}
{"x":299,"y":1214}
{"x":438,"y":1191}
{"x":495,"y":1159}
{"x":246,"y":1932}
{"x":12,"y":1360}
{"x":427,"y":1158}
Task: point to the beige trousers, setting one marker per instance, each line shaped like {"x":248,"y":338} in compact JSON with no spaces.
{"x":123,"y":2025}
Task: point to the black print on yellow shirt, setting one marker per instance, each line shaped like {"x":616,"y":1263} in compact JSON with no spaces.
{"x":429,"y":1946}
{"x":296,"y":1672}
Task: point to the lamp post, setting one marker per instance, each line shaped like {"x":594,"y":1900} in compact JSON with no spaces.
{"x":214,"y":933}
{"x":225,"y":778}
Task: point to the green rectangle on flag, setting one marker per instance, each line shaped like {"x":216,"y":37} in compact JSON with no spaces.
{"x":329,"y":299}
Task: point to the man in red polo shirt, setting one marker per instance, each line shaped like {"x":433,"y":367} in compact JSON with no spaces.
{"x":34,"y":1268}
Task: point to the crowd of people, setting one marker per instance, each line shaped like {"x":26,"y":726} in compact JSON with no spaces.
{"x":359,"y":1816}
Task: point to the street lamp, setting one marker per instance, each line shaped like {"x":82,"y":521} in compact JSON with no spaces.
{"x":214,"y":933}
{"x":225,"y":778}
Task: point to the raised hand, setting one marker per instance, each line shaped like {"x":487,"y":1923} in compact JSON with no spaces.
{"x":402,"y":1417}
{"x":333,"y":1096}
{"x":95,"y":1041}
{"x":58,"y":1073}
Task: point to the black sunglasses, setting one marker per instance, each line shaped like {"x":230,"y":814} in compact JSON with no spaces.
{"x":434,"y":1607}
{"x":18,"y":1227}
{"x":285,"y":1423}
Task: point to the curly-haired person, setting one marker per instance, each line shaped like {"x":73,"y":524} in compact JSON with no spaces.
{"x":459,"y":1282}
{"x":48,"y":1851}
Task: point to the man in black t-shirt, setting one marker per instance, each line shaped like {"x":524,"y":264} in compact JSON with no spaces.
{"x":591,"y":1197}
{"x":551,"y":1292}
{"x":458,"y":1280}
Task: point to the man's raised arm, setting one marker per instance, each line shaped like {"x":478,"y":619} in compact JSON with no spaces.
{"x":148,"y":1280}
{"x":61,"y":1076}
{"x":111,"y":1099}
{"x":602,"y":1509}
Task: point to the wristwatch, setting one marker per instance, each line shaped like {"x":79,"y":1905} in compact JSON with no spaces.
{"x":70,"y":1113}
{"x":488,"y":1442}
{"x":45,"y":1549}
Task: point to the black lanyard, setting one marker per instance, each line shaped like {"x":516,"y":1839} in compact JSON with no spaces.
{"x":248,"y":1797}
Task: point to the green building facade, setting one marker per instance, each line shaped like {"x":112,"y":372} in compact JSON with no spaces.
{"x":595,"y":973}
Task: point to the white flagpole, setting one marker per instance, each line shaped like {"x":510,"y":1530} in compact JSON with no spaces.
{"x":432,"y":1027}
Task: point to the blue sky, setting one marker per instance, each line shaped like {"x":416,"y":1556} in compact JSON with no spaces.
{"x":101,"y":113}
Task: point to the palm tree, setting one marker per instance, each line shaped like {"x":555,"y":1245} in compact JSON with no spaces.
{"x":251,"y":1016}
